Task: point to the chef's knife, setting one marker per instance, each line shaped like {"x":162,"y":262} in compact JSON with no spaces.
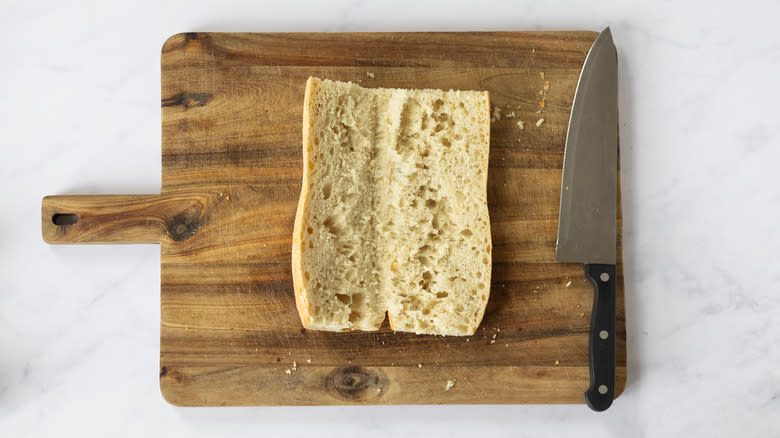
{"x":588,"y":212}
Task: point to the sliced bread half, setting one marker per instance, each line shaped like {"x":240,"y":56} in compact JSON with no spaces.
{"x":393,"y":213}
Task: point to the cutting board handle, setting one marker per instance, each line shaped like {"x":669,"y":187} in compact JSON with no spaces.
{"x":122,"y":218}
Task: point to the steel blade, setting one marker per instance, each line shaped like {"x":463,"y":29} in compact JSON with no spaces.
{"x":588,"y":211}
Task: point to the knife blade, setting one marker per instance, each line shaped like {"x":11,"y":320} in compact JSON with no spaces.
{"x":587,"y":230}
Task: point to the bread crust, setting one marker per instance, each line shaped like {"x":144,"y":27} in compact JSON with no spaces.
{"x":298,"y":242}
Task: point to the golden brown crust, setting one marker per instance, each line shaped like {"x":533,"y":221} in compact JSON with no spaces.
{"x":298,"y":242}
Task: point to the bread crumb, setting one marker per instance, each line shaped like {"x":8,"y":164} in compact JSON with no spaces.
{"x":510,"y":115}
{"x":494,"y":336}
{"x":539,"y":122}
{"x":556,"y":362}
{"x":541,"y":103}
{"x":546,"y":85}
{"x":496,"y":115}
{"x":370,"y":74}
{"x":493,"y":341}
{"x":498,"y":329}
{"x":568,"y":283}
{"x":450,"y":384}
{"x":582,"y":314}
{"x":419,"y":365}
{"x":541,"y":75}
{"x":289,"y":371}
{"x":506,"y":345}
{"x":308,"y":360}
{"x":295,"y":366}
{"x":467,"y":339}
{"x":520,"y":124}
{"x":227,"y":198}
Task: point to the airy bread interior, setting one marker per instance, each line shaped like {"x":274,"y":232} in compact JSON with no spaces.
{"x":393,"y":211}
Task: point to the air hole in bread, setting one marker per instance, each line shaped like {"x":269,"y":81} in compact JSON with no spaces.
{"x":467,"y":232}
{"x":354,"y":316}
{"x":442,"y":294}
{"x":446,"y":141}
{"x":334,"y":225}
{"x":326,"y":189}
{"x":430,"y":203}
{"x":345,"y":299}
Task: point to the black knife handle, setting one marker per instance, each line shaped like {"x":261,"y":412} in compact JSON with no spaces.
{"x":602,"y":337}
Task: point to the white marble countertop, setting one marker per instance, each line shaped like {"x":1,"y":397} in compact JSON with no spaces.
{"x":80,"y":111}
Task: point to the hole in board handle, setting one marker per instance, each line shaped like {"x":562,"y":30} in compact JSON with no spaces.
{"x":64,"y":219}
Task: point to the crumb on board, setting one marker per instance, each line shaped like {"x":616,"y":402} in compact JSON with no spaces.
{"x":568,"y":283}
{"x":520,"y":124}
{"x":510,"y":115}
{"x":557,"y":362}
{"x":498,"y":329}
{"x":494,"y":336}
{"x":546,"y":85}
{"x":541,"y":103}
{"x":370,"y":74}
{"x":467,"y":339}
{"x":492,"y":341}
{"x":582,"y":314}
{"x":506,"y":345}
{"x":295,"y":365}
{"x":539,"y":122}
{"x":450,"y":384}
{"x":308,"y":360}
{"x":541,"y":75}
{"x":289,"y":371}
{"x":496,"y":115}
{"x":227,"y":198}
{"x":419,"y":365}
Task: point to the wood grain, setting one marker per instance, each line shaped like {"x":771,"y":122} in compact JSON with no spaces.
{"x":231,"y":117}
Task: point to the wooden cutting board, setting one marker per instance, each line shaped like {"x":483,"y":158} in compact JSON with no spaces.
{"x":231,"y":174}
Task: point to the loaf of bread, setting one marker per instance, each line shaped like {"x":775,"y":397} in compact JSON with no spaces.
{"x":393,"y":215}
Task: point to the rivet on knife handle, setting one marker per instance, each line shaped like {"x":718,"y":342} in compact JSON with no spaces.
{"x":602,"y":337}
